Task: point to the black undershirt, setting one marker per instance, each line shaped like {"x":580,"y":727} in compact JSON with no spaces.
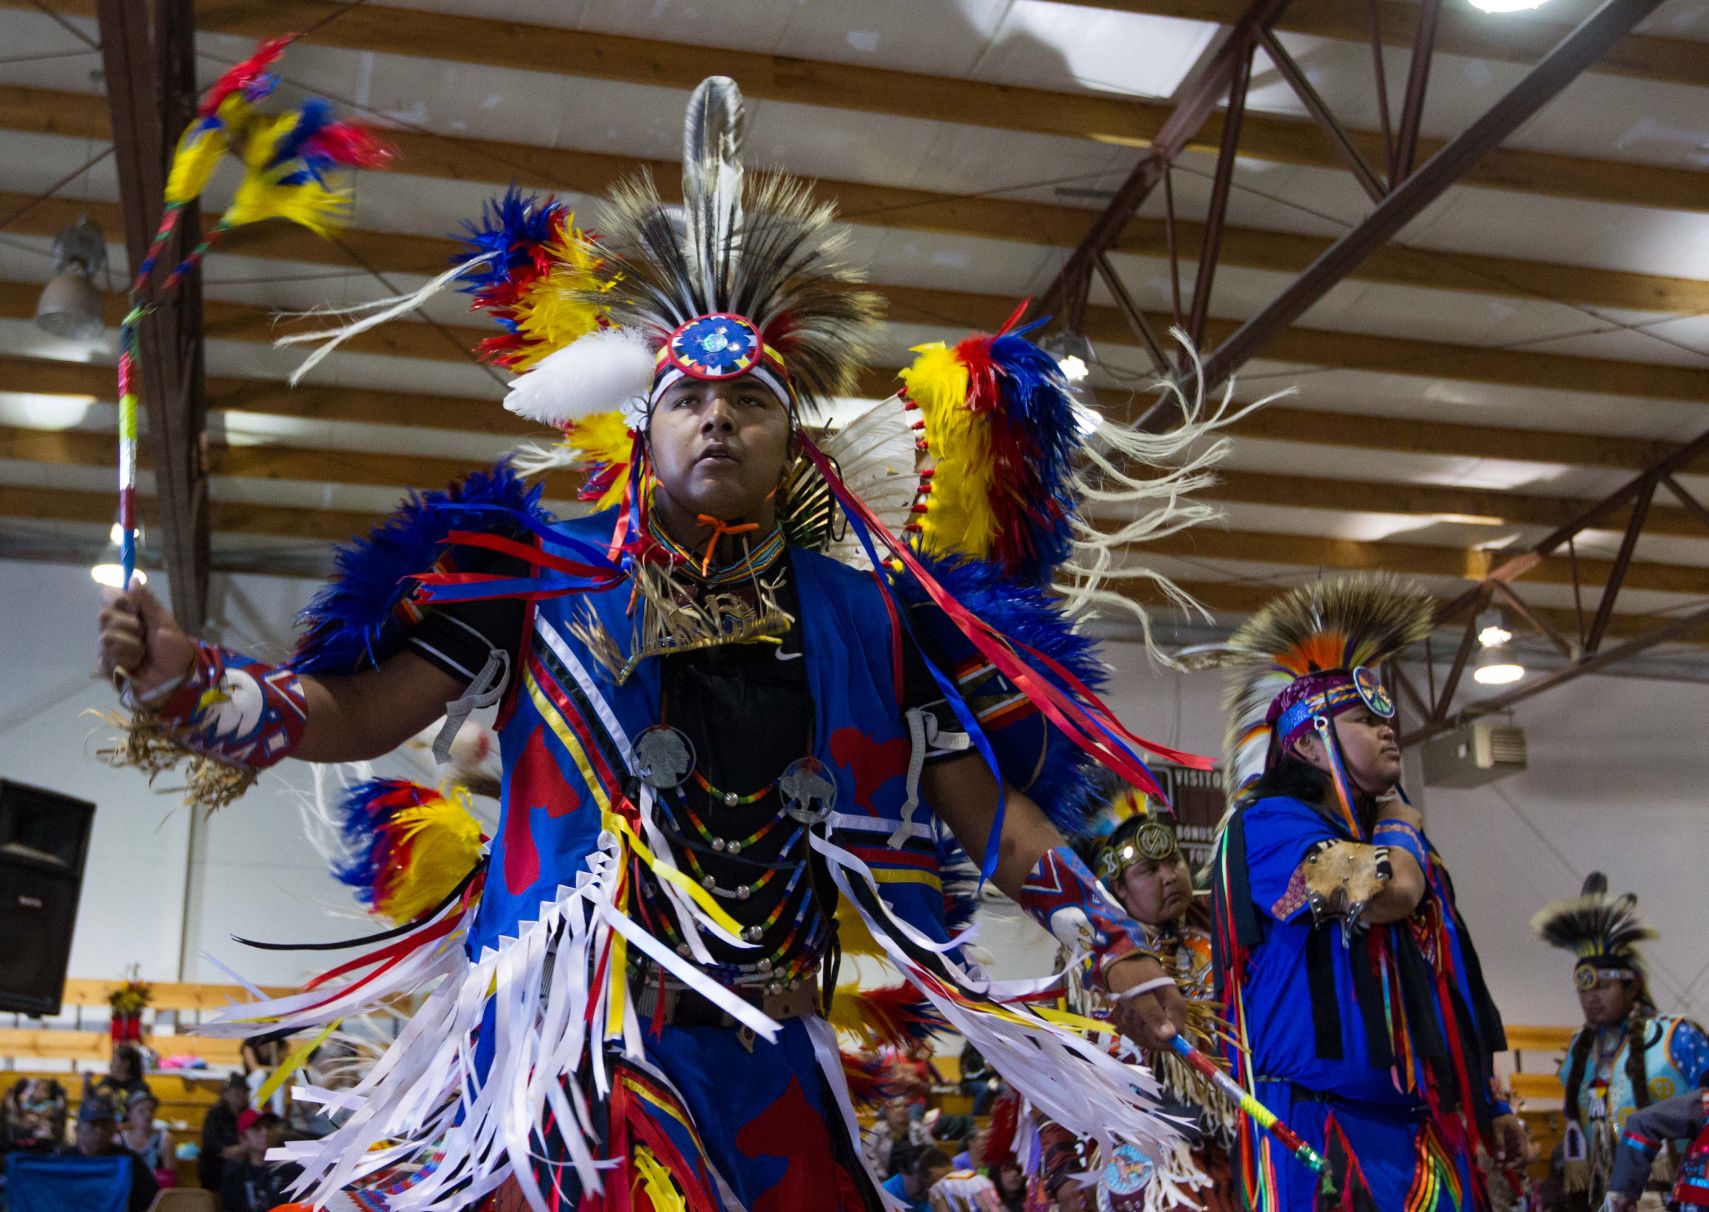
{"x":747,"y":711}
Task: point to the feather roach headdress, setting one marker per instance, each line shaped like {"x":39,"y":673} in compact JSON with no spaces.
{"x":1602,"y":931}
{"x":745,"y":277}
{"x":1309,"y":656}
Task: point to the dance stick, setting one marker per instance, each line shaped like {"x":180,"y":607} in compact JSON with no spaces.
{"x":1261,"y":1115}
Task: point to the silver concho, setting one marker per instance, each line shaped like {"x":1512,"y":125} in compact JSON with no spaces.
{"x":663,"y":757}
{"x":809,"y":793}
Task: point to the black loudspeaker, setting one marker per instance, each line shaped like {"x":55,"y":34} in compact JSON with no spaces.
{"x":44,"y":838}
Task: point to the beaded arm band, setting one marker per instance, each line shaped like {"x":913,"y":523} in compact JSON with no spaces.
{"x":1064,"y":897}
{"x":1402,"y":835}
{"x":229,"y":716}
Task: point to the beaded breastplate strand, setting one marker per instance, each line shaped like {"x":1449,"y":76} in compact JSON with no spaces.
{"x":678,"y":607}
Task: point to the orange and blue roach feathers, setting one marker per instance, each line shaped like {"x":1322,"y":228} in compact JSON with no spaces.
{"x":406,"y":847}
{"x":1333,"y":624}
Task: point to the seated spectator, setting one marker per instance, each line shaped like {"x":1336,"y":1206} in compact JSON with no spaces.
{"x":972,"y":1155}
{"x":147,"y":1137}
{"x":124,"y":1078}
{"x":920,"y":1171}
{"x":261,"y":1056}
{"x":251,"y":1184}
{"x":963,"y":1191}
{"x":979,"y":1080}
{"x":1011,"y":1184}
{"x":895,"y":1129}
{"x":34,"y":1117}
{"x":97,"y":1136}
{"x":220,"y":1143}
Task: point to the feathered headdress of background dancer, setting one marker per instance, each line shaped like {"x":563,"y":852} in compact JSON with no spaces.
{"x":1307,"y":657}
{"x":1602,"y":931}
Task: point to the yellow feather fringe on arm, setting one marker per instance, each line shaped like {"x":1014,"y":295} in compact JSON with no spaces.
{"x":958,"y":513}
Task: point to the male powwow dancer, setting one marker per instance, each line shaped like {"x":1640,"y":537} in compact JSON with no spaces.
{"x":727,"y":757}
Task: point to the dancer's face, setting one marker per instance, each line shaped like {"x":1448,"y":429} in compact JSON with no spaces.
{"x":720,"y":448}
{"x":1157,"y":891}
{"x":1368,"y":746}
{"x":1607,"y":1002}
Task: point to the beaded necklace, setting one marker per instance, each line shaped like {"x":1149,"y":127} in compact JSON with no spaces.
{"x":754,"y":560}
{"x":731,"y":846}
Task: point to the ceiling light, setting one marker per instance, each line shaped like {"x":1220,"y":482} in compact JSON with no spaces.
{"x":1492,"y":629}
{"x":70,"y":306}
{"x":1073,"y":353}
{"x":1496,"y":668}
{"x":1508,"y":6}
{"x":117,"y":535}
{"x":113,"y":576}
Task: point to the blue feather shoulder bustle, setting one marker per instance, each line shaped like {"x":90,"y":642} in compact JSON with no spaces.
{"x":355,"y":621}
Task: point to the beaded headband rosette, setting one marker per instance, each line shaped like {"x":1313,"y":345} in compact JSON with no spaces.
{"x":1602,"y":931}
{"x":1150,"y":837}
{"x":1312,"y":655}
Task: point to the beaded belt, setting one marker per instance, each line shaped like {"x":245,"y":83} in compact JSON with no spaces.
{"x":677,"y":1005}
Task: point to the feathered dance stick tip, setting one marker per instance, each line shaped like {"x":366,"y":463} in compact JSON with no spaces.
{"x":249,"y":79}
{"x":288,"y":164}
{"x":407,"y":846}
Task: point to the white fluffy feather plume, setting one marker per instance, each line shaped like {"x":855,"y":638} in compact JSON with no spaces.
{"x":605,"y":370}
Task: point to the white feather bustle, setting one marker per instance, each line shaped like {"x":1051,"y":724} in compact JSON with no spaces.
{"x":607,"y":369}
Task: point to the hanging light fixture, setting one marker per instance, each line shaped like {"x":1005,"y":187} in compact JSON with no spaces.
{"x":1495,"y":665}
{"x":1073,"y":353}
{"x":1508,"y":6}
{"x":70,"y":306}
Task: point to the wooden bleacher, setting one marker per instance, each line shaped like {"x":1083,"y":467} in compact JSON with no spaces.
{"x":44,"y":1049}
{"x":185,"y":1095}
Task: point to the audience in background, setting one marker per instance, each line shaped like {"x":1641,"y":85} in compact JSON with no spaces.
{"x":979,"y":1081}
{"x":894,"y":1130}
{"x":250,"y":1183}
{"x":1011,"y":1184}
{"x":147,"y":1137}
{"x":220,"y":1141}
{"x":124,"y":1079}
{"x":97,"y":1136}
{"x":34,"y":1117}
{"x":920,"y":1169}
{"x":972,"y":1155}
{"x":260,"y":1057}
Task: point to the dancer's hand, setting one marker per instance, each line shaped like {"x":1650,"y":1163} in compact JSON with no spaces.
{"x":1511,"y":1142}
{"x":140,"y":637}
{"x":1152,"y":1019}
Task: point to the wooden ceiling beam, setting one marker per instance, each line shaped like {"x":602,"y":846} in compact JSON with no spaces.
{"x":1248,"y":248}
{"x":1414,"y":559}
{"x":1507,"y":37}
{"x":1244,"y":597}
{"x":271,"y":461}
{"x":317,"y":464}
{"x":1099,"y":118}
{"x":1338,"y":350}
{"x":963,"y":311}
{"x":68,"y":505}
{"x":1028,"y":223}
{"x":1276,"y":423}
{"x":1489,"y":507}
